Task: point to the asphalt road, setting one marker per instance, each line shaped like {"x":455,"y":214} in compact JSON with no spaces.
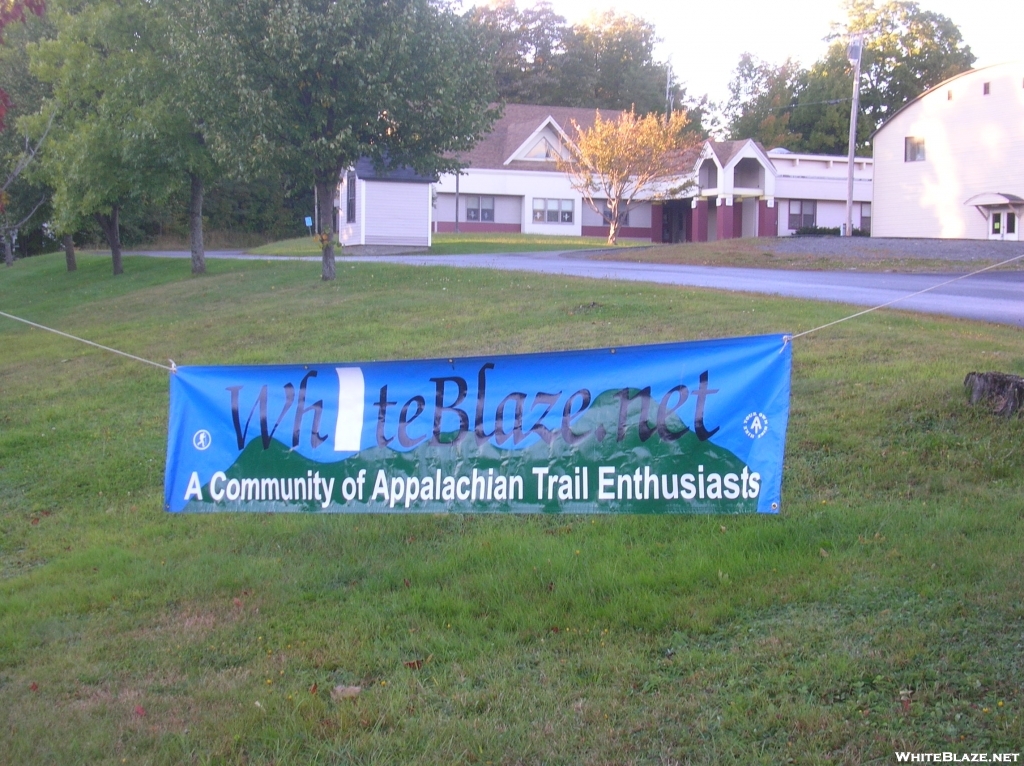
{"x":995,"y":296}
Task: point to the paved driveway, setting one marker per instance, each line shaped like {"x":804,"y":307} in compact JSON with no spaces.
{"x":995,"y":296}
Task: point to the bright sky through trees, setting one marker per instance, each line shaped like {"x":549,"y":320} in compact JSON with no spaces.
{"x":704,"y":42}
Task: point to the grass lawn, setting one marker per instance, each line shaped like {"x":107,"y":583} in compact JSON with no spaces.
{"x":455,"y":244}
{"x":881,"y":611}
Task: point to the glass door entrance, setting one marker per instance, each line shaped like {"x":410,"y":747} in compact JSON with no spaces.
{"x":1003,"y":225}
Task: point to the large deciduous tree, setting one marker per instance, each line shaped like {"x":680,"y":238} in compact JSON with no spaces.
{"x":22,"y":198}
{"x":12,"y":11}
{"x":110,"y":145}
{"x":321,"y":83}
{"x":614,"y":161}
{"x":906,"y":51}
{"x":762,"y":97}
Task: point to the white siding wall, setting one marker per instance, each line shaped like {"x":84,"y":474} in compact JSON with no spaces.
{"x":524,"y":184}
{"x":973,"y":144}
{"x":397,"y":213}
{"x":639,"y":215}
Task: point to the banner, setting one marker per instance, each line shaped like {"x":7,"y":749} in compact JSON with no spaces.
{"x":675,"y":428}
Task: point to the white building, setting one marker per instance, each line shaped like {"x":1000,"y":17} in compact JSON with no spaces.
{"x":392,"y":207}
{"x":950,"y":163}
{"x":512,"y":184}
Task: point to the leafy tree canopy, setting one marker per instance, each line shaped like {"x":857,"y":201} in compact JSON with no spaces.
{"x":612,"y":161}
{"x":606,"y":62}
{"x":907,"y":50}
{"x":321,"y":83}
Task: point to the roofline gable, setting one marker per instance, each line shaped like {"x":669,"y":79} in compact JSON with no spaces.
{"x":528,"y":143}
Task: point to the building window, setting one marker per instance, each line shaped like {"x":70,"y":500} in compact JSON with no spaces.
{"x":479,"y":208}
{"x":987,"y":88}
{"x":997,"y":224}
{"x":801,"y":213}
{"x":1011,"y":223}
{"x":865,"y":217}
{"x":913,"y":149}
{"x":606,"y":214}
{"x":552,"y":210}
{"x":350,"y":197}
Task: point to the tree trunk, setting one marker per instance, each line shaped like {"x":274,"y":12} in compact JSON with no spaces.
{"x":8,"y":250}
{"x":69,"y":252}
{"x":613,"y":221}
{"x":326,"y":191}
{"x":1003,"y":392}
{"x":195,"y":225}
{"x":111,"y":230}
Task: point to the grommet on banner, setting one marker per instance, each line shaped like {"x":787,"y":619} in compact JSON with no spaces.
{"x":174,"y":367}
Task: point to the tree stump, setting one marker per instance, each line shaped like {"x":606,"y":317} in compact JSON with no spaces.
{"x":1003,"y":392}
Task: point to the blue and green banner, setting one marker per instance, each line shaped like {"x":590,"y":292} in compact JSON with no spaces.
{"x":694,"y":427}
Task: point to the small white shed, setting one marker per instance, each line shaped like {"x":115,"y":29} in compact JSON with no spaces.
{"x":386,"y":207}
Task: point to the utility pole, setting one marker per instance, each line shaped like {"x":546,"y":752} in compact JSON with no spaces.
{"x":457,"y":174}
{"x":853,"y":52}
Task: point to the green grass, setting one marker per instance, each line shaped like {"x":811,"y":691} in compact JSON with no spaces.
{"x":880,"y":611}
{"x":455,"y":244}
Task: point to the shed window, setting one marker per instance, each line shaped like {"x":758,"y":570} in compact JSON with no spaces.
{"x":987,"y":88}
{"x":350,"y":197}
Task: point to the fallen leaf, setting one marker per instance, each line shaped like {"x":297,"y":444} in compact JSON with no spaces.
{"x":313,"y":689}
{"x":238,"y":603}
{"x":823,"y":553}
{"x":33,"y":686}
{"x":406,"y":581}
{"x":140,"y":711}
{"x":414,"y":664}
{"x":345,"y":692}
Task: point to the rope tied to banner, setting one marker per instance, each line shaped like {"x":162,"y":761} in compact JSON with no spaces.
{"x":173,"y":368}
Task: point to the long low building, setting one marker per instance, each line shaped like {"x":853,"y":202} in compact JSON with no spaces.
{"x":737,"y":189}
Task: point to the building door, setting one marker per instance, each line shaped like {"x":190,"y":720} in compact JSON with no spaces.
{"x":1003,"y":225}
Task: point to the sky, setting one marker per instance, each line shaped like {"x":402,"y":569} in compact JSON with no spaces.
{"x":704,"y":40}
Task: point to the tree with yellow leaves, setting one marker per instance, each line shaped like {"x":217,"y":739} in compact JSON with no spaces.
{"x":617,"y":159}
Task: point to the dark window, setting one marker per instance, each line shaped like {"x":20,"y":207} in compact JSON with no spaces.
{"x":479,"y":208}
{"x":987,"y":88}
{"x":865,"y":217}
{"x":350,"y":197}
{"x":801,"y":213}
{"x":913,"y":149}
{"x":607,"y":215}
{"x":1011,"y":223}
{"x":552,"y":210}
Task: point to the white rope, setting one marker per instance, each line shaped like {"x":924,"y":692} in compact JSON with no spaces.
{"x":172,"y":368}
{"x":903,"y":298}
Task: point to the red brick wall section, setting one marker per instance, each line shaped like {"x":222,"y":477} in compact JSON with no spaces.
{"x":629,"y":232}
{"x":447,"y":227}
{"x":726,"y":215}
